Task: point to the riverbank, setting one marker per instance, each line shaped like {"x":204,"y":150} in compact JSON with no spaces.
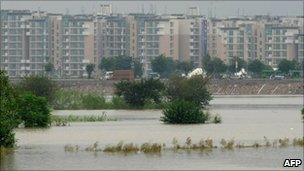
{"x":217,"y":87}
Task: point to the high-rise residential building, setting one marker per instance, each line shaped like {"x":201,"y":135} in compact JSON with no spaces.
{"x":77,"y":45}
{"x":55,"y":47}
{"x":30,"y":40}
{"x":105,"y":9}
{"x":180,"y":37}
{"x":269,"y":39}
{"x":280,"y":43}
{"x":115,"y":36}
{"x":24,"y":42}
{"x":300,"y":47}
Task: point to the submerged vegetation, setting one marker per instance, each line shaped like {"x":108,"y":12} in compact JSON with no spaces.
{"x":202,"y":145}
{"x":34,"y":111}
{"x":188,"y":97}
{"x":183,"y":112}
{"x":73,"y":100}
{"x":8,"y":112}
{"x":65,"y":120}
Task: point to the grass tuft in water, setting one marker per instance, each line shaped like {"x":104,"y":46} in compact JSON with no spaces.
{"x":227,"y":144}
{"x":284,"y":142}
{"x":201,"y":145}
{"x":65,"y":120}
{"x":71,"y":148}
{"x":93,"y":148}
{"x":151,"y":148}
{"x":121,"y":147}
{"x":298,"y":142}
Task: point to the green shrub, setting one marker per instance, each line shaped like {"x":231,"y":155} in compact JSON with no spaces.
{"x":93,"y":101}
{"x":8,"y":114}
{"x":39,"y":86}
{"x":192,"y":89}
{"x":34,"y":111}
{"x":136,"y":93}
{"x":302,"y":111}
{"x":67,"y":99}
{"x":183,"y":112}
{"x":118,"y":103}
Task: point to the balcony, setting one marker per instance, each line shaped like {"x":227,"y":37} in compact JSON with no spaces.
{"x":85,"y":61}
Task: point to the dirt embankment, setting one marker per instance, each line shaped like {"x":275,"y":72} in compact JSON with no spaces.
{"x":218,"y":87}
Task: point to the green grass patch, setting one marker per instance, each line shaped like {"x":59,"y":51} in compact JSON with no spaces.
{"x":65,"y":120}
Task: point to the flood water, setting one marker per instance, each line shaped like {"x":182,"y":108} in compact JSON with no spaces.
{"x":245,"y":119}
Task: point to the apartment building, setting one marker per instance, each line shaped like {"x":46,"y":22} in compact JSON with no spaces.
{"x":179,"y":37}
{"x":269,"y":39}
{"x":116,"y":36}
{"x":280,"y":43}
{"x":30,"y":40}
{"x":77,"y":45}
{"x":24,"y":42}
{"x":55,"y":50}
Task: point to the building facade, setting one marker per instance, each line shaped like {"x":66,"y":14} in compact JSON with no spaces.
{"x":30,"y":40}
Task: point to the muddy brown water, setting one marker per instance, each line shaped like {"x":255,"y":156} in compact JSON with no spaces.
{"x":246,"y":119}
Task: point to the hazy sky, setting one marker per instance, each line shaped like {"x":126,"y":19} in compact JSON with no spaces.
{"x":218,"y":8}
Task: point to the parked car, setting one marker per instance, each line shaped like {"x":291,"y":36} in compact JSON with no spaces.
{"x":154,"y":75}
{"x":279,"y":77}
{"x":109,"y":75}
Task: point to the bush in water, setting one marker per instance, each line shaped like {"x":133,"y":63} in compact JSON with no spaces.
{"x":34,"y":111}
{"x":192,"y":89}
{"x":137,"y":93}
{"x":8,"y":114}
{"x":39,"y":86}
{"x":183,"y":112}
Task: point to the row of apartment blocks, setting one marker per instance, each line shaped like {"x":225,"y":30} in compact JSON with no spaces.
{"x":269,"y":39}
{"x":29,"y":40}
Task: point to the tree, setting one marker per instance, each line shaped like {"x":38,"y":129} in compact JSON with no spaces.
{"x":237,"y":64}
{"x":193,"y":89}
{"x":90,"y":69}
{"x":107,"y":64}
{"x":8,"y":112}
{"x":137,"y":93}
{"x":49,"y":67}
{"x":184,"y":66}
{"x":286,"y":65}
{"x":183,"y":112}
{"x":34,"y":111}
{"x":163,"y":65}
{"x":123,"y":62}
{"x":39,"y":86}
{"x":256,"y":67}
{"x":138,"y":68}
{"x":214,"y":66}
